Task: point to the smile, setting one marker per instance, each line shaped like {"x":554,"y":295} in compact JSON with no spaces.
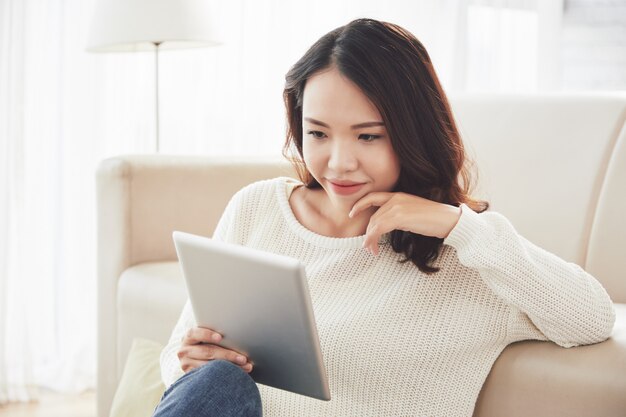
{"x":346,"y":188}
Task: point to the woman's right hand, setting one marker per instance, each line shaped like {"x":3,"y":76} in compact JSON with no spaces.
{"x":199,"y":347}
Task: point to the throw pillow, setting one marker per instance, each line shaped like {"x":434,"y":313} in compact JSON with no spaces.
{"x":140,"y":388}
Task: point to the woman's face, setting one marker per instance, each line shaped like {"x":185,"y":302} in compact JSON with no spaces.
{"x":345,"y":146}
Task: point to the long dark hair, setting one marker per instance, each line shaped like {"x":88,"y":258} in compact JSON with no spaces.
{"x":394,"y":71}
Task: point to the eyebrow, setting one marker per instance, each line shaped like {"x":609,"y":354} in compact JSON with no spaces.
{"x":356,"y":126}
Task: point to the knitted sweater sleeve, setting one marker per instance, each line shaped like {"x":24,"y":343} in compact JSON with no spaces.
{"x":170,"y":364}
{"x":550,"y":299}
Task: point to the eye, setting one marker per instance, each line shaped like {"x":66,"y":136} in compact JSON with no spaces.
{"x":316,"y":134}
{"x":369,"y":138}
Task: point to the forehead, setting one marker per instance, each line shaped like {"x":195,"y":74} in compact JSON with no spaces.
{"x":331,"y":97}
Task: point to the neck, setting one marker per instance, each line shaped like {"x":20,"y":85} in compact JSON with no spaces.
{"x":336,"y":214}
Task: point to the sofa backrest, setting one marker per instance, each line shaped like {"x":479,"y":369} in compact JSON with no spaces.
{"x":555,"y":166}
{"x":190,"y":192}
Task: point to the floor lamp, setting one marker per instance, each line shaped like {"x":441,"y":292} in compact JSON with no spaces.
{"x":151,"y":25}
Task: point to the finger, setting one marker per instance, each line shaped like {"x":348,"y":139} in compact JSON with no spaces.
{"x":198,"y":355}
{"x":370,"y":243}
{"x":375,"y":230}
{"x":197,"y":335}
{"x":188,"y":364}
{"x":191,"y":364}
{"x":371,"y":199}
{"x":214,"y":352}
{"x":383,"y":211}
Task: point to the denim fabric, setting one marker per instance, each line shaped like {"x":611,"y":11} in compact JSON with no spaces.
{"x":219,"y":388}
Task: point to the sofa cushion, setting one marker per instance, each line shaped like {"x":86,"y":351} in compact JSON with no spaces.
{"x":150,"y":299}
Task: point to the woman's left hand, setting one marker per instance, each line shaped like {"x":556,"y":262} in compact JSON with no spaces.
{"x":407,"y":212}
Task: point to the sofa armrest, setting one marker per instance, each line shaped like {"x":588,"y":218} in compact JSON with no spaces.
{"x":140,"y":201}
{"x":541,"y":379}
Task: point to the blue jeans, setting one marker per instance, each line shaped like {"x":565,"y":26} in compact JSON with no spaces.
{"x":219,"y":388}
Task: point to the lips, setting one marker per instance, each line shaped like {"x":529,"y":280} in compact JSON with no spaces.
{"x":344,"y":183}
{"x":343,"y":187}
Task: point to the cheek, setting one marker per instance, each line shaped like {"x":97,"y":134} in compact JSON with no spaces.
{"x":311,"y":158}
{"x":388,"y":167}
{"x":306,"y":153}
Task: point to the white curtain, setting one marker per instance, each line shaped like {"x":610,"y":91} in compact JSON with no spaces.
{"x":510,"y":46}
{"x":62,"y":110}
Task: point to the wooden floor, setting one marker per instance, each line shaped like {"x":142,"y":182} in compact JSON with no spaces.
{"x":54,"y":405}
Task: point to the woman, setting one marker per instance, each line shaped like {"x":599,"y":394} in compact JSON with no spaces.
{"x":415,"y":293}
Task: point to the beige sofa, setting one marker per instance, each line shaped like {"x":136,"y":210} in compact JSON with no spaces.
{"x":554,"y":165}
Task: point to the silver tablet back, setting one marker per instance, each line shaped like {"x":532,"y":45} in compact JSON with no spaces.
{"x":259,"y":302}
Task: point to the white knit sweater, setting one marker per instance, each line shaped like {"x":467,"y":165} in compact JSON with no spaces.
{"x":396,"y":341}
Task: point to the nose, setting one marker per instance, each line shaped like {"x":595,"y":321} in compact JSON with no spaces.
{"x":342,"y":157}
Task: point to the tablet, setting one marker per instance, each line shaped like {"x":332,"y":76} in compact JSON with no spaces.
{"x":259,"y":302}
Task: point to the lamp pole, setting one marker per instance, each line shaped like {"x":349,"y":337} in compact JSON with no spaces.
{"x":144,"y":25}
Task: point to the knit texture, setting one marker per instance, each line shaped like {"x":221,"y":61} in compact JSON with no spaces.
{"x":396,"y":341}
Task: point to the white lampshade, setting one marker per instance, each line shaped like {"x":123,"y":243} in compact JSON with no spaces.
{"x":137,"y":25}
